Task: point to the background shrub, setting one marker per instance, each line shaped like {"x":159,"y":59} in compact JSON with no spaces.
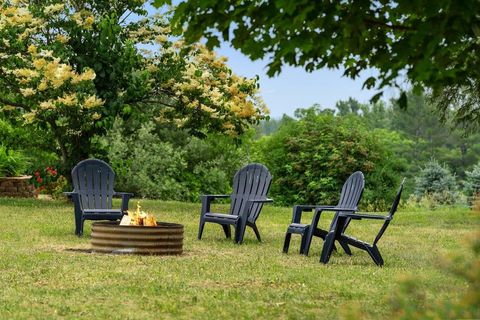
{"x":31,"y":141}
{"x":310,"y":159}
{"x":436,"y":181}
{"x":12,"y":163}
{"x":166,"y":163}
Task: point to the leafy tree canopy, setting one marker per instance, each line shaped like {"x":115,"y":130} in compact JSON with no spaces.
{"x":72,"y":67}
{"x":435,"y":44}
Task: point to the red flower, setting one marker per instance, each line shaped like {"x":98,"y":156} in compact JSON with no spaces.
{"x":37,"y":173}
{"x":39,"y":179}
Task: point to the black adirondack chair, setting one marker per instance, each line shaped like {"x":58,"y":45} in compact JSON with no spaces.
{"x":92,"y":193}
{"x":250,"y":188}
{"x":338,"y":227}
{"x":349,"y":198}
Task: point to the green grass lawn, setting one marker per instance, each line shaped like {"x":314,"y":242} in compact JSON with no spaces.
{"x":214,"y":278}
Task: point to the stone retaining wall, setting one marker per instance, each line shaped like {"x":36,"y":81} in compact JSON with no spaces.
{"x":19,"y":187}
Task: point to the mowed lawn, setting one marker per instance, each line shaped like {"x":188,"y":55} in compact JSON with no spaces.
{"x":41,"y":277}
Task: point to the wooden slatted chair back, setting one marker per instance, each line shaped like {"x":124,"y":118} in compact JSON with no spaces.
{"x":391,"y":213}
{"x":352,"y":190}
{"x":251,"y":182}
{"x":93,"y":180}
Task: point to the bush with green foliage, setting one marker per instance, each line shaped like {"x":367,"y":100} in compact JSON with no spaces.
{"x":30,"y":140}
{"x":169,"y":164}
{"x":12,"y":163}
{"x":310,"y":159}
{"x":436,"y":181}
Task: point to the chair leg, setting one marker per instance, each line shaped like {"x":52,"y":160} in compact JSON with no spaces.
{"x":375,"y":254}
{"x":78,"y":224}
{"x":345,"y":247}
{"x":303,"y":243}
{"x":286,"y":243}
{"x":200,"y":229}
{"x":308,"y":240}
{"x":226,"y":229}
{"x":255,"y":229}
{"x":327,"y":247}
{"x":240,"y":231}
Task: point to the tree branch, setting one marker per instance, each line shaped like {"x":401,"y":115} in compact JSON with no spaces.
{"x":15,"y":104}
{"x":157,"y":102}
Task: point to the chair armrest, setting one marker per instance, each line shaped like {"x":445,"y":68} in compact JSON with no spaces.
{"x":215,"y":196}
{"x":124,"y":194}
{"x":309,"y":207}
{"x":318,"y":212}
{"x":125,"y":198}
{"x":207,"y":198}
{"x":298,"y":209}
{"x":343,"y":209}
{"x":260,"y":200}
{"x":69,"y":195}
{"x":74,"y":197}
{"x":360,"y":216}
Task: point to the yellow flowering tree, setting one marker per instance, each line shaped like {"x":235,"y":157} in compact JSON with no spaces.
{"x":73,"y":67}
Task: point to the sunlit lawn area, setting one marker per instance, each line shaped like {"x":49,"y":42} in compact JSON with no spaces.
{"x":214,"y":278}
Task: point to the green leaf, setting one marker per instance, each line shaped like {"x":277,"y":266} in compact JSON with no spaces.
{"x":158,"y":3}
{"x":376,"y":97}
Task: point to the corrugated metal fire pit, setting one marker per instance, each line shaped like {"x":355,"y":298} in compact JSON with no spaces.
{"x":164,"y":239}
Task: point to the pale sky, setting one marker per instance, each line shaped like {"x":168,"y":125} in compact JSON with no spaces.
{"x":295,"y":88}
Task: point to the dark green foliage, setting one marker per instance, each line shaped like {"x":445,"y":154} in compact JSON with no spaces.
{"x":166,"y":163}
{"x":311,"y":158}
{"x":431,"y":138}
{"x":144,"y":164}
{"x":395,"y":37}
{"x":30,"y":140}
{"x":436,"y":181}
{"x":12,"y":163}
{"x":351,"y":106}
{"x":425,"y":136}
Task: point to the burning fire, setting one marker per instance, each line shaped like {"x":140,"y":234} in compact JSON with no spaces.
{"x":138,"y":218}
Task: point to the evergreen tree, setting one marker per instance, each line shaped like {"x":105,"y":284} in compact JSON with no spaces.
{"x":436,"y":181}
{"x":472,"y":181}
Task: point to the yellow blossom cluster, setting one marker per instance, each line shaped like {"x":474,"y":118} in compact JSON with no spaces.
{"x":62,"y":38}
{"x":93,"y":102}
{"x":152,"y":30}
{"x":84,"y":19}
{"x":54,"y":8}
{"x":19,"y":17}
{"x":68,"y":99}
{"x":45,"y":81}
{"x":209,"y":86}
{"x":14,"y":16}
{"x":26,"y":92}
